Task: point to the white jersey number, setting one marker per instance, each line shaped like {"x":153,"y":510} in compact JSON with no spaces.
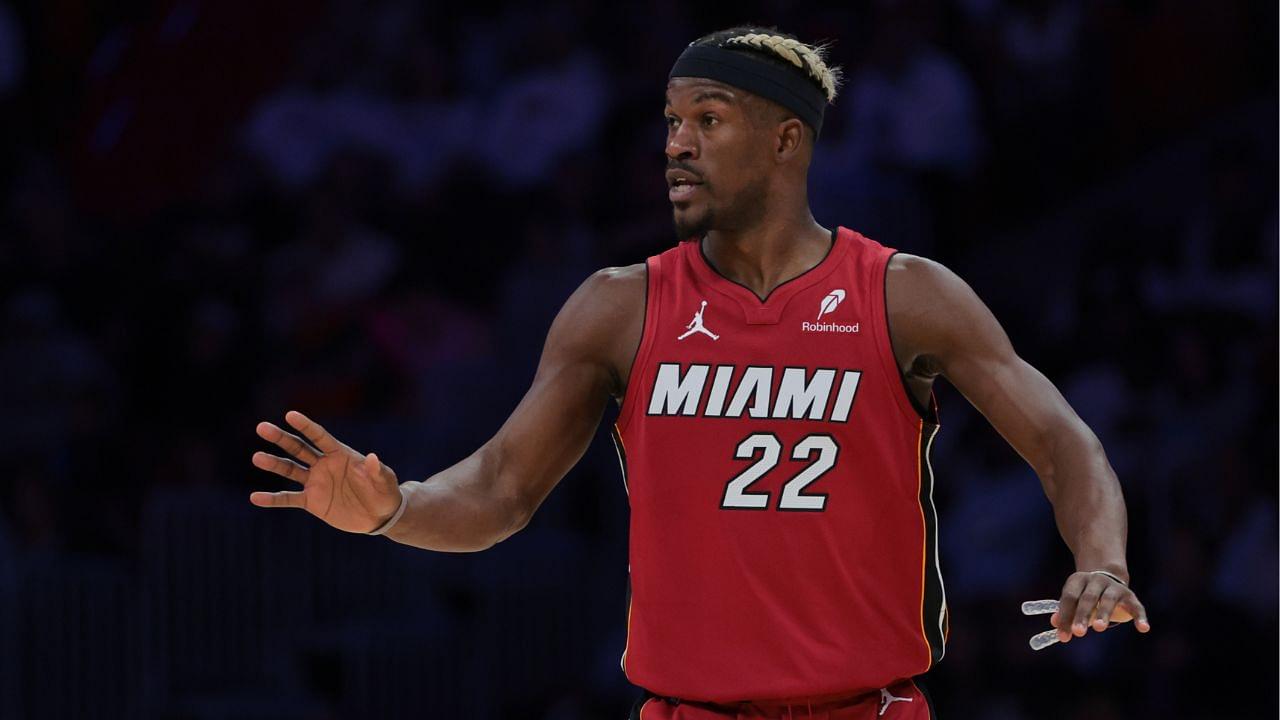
{"x":769,"y":448}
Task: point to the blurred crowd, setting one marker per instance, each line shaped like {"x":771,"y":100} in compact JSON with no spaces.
{"x":371,"y":211}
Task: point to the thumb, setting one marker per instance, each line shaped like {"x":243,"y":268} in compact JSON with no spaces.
{"x":371,"y":467}
{"x":374,"y":468}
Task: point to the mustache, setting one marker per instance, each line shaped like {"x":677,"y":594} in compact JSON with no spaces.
{"x":686,"y":168}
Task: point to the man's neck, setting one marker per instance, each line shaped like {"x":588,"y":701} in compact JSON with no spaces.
{"x":767,"y":255}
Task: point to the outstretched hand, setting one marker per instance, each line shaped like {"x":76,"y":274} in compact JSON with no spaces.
{"x":347,"y":490}
{"x":1094,"y":600}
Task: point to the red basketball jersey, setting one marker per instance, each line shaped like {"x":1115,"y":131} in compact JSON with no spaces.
{"x":783,"y":534}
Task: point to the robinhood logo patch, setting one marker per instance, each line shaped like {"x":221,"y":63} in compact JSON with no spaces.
{"x":830,"y":303}
{"x":827,"y":307}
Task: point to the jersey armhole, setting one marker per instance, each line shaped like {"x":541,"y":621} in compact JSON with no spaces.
{"x":629,"y":400}
{"x":905,"y":401}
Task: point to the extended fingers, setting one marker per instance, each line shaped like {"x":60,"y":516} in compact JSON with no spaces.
{"x":1107,"y":605}
{"x":312,"y":431}
{"x":288,"y":442}
{"x":1087,"y":597}
{"x":1067,"y":605}
{"x":288,"y":498}
{"x":1131,"y":603}
{"x":1093,"y":599}
{"x":283,"y":467}
{"x":1093,"y":590}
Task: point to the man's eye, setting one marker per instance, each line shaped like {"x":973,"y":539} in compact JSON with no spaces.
{"x":707,"y":119}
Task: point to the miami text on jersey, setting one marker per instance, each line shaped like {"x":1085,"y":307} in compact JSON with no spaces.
{"x":801,"y":393}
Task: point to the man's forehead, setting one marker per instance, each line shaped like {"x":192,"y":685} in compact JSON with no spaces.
{"x":703,"y":89}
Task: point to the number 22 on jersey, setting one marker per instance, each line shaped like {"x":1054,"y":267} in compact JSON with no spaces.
{"x":769,"y":448}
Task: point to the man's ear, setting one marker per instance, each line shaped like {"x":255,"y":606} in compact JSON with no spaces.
{"x":788,"y":139}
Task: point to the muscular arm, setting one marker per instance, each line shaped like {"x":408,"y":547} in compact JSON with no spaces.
{"x":951,"y":332}
{"x":493,"y":493}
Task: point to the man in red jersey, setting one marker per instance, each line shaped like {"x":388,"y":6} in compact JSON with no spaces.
{"x":775,"y":425}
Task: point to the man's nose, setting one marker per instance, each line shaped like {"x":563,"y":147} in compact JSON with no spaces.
{"x":681,"y":145}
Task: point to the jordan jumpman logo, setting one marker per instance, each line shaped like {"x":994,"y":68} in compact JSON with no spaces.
{"x":886,"y":698}
{"x":695,"y":325}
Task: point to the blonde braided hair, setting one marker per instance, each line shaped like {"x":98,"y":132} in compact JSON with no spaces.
{"x":808,"y":58}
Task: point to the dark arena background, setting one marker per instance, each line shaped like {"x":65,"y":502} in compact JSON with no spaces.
{"x":214,"y":212}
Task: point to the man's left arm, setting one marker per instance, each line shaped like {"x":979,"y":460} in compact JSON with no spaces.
{"x":945,"y":327}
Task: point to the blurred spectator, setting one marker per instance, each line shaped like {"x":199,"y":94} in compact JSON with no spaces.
{"x":542,"y":115}
{"x":1041,"y":38}
{"x":1223,"y":244}
{"x":912,"y":106}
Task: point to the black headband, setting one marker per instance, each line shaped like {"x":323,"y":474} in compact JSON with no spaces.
{"x":785,"y":87}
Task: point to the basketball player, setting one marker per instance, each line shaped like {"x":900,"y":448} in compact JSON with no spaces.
{"x":776,"y":418}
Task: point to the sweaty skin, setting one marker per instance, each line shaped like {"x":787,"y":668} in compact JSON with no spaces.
{"x":752,"y":160}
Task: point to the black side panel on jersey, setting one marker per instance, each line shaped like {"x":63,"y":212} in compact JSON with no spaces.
{"x":645,"y":695}
{"x":622,"y":456}
{"x":933,"y":610}
{"x":928,"y":698}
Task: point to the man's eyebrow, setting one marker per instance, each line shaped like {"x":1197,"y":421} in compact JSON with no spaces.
{"x":709,"y":94}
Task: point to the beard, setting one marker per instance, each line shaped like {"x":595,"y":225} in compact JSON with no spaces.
{"x":695,"y":223}
{"x":748,"y":209}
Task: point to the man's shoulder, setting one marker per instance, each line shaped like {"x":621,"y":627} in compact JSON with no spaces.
{"x":908,"y":263}
{"x":916,"y":275}
{"x":624,"y":276}
{"x":921,"y":293}
{"x":609,"y":318}
{"x":619,"y":285}
{"x":606,"y":299}
{"x":930,"y":307}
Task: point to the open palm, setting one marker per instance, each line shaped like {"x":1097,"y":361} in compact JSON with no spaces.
{"x":347,"y":490}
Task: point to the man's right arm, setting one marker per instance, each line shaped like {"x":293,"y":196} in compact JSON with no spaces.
{"x":492,"y":493}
